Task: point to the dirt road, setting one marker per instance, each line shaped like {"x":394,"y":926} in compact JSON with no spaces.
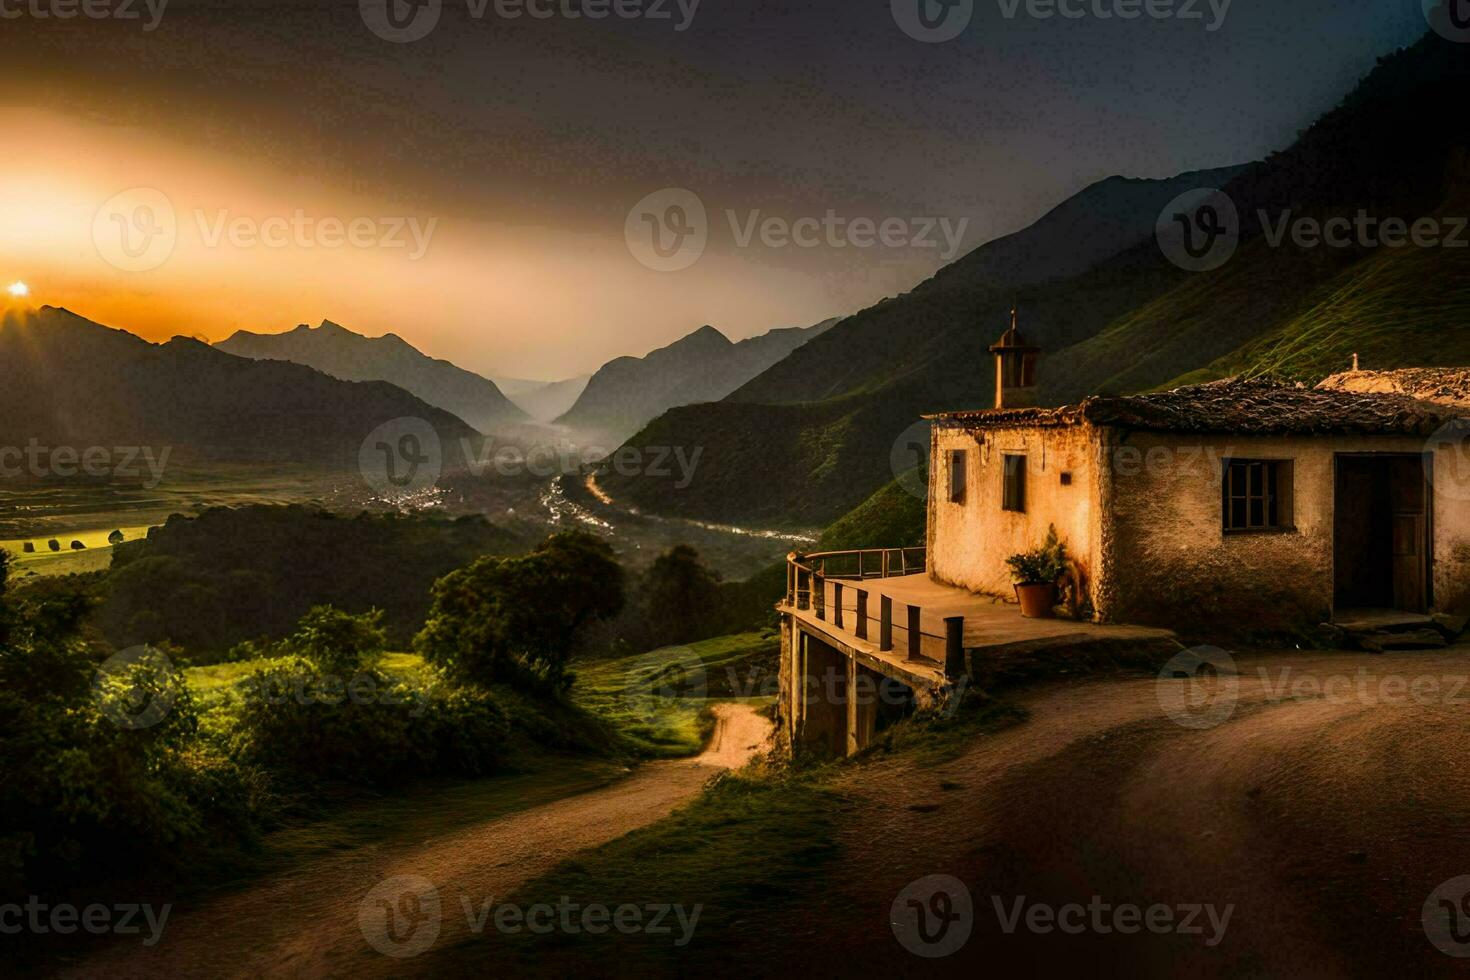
{"x":319,"y":920}
{"x":1321,"y":813}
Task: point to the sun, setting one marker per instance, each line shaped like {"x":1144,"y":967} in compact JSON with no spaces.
{"x":18,"y":289}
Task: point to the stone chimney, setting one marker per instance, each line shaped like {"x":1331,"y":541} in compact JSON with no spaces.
{"x":1015,"y":369}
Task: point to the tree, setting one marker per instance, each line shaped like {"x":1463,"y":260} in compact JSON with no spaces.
{"x":518,"y":620}
{"x":338,"y":642}
{"x":680,"y":598}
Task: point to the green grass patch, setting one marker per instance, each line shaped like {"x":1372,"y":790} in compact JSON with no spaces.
{"x":209,"y":684}
{"x":659,"y":700}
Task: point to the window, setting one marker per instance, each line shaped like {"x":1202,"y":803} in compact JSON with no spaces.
{"x":1256,"y":495}
{"x":957,"y":476}
{"x":1013,"y":493}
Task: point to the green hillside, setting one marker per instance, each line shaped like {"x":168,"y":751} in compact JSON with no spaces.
{"x":894,"y":517}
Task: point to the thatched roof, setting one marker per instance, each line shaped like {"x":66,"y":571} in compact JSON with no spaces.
{"x":1444,"y":386}
{"x":1255,"y":407}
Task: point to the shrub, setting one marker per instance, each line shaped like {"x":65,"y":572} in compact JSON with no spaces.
{"x":367,"y":728}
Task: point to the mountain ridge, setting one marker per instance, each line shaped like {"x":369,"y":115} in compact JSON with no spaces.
{"x":351,"y":356}
{"x":702,"y":366}
{"x":77,"y":383}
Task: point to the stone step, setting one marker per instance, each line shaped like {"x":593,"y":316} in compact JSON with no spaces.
{"x":1379,"y":641}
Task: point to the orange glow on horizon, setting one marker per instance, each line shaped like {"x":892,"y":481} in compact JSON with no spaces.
{"x":243,"y":245}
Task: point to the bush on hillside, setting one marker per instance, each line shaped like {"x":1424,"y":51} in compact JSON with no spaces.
{"x":364,"y":728}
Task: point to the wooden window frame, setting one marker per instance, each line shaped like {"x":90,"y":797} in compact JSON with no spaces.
{"x":1272,"y":496}
{"x":1013,"y":492}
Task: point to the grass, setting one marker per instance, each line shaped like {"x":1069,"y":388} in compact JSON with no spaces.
{"x":659,"y":699}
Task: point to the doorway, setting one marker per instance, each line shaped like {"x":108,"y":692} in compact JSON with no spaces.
{"x":1381,"y":533}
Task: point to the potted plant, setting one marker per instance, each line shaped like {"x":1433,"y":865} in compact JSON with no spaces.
{"x":1036,"y":572}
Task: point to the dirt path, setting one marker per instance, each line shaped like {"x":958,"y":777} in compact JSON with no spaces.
{"x":325,"y":917}
{"x":1323,"y":821}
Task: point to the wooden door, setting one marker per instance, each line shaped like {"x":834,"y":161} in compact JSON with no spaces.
{"x":1408,"y":495}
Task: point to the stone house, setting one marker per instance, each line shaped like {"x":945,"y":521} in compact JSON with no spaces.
{"x":1234,"y":506}
{"x":1251,"y":503}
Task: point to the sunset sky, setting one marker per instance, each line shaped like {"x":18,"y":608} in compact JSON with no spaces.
{"x":516,"y":148}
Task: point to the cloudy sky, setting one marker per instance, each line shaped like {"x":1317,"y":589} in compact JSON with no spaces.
{"x":489,"y":190}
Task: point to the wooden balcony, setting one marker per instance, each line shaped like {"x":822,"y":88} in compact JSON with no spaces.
{"x":881,"y":607}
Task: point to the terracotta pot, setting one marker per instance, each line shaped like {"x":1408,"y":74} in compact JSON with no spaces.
{"x":1037,"y":600}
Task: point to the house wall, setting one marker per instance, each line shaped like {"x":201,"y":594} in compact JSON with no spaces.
{"x":1175,"y":565}
{"x":970,"y":541}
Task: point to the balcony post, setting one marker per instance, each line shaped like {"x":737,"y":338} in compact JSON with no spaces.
{"x":819,"y":594}
{"x":914,"y":636}
{"x":885,"y":623}
{"x":862,"y":614}
{"x":837,"y":604}
{"x":954,"y":647}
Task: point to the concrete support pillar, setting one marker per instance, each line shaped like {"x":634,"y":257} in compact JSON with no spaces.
{"x":824,"y":726}
{"x":862,"y":706}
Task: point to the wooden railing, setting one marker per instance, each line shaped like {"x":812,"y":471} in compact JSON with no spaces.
{"x":810,"y":579}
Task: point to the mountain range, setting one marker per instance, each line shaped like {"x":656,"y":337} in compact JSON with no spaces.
{"x":350,"y":356}
{"x":70,"y":382}
{"x":811,"y":437}
{"x":704,"y":366}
